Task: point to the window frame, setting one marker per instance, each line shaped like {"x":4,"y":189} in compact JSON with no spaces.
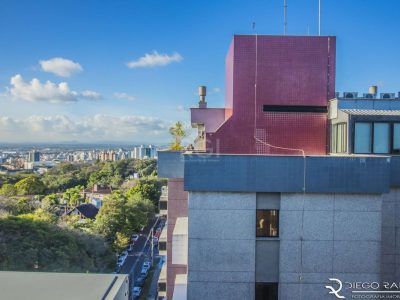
{"x":394,"y":151}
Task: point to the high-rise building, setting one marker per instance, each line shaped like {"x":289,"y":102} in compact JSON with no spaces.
{"x":141,"y":152}
{"x":288,"y":186}
{"x":33,"y":156}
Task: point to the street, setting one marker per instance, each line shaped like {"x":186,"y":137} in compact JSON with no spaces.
{"x":141,"y":251}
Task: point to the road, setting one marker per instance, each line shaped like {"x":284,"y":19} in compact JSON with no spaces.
{"x":141,"y":251}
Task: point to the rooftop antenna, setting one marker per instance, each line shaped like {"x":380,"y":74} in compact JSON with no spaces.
{"x":319,"y":17}
{"x":284,"y":17}
{"x":253,"y":26}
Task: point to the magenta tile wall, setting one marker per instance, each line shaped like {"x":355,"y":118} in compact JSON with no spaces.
{"x":287,"y":70}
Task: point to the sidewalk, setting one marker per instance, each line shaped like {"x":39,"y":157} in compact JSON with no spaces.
{"x":154,"y":282}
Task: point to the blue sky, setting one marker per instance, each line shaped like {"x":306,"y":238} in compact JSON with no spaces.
{"x":105,"y":100}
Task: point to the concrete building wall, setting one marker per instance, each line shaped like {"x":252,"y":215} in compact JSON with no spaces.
{"x":177,"y":207}
{"x":222,"y":246}
{"x":390,"y":262}
{"x":324,"y":236}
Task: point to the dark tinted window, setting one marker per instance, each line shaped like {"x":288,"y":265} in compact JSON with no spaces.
{"x":267,"y":223}
{"x":163,"y":204}
{"x":266,"y":291}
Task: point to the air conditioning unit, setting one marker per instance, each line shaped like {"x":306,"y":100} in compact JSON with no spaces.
{"x":388,"y":95}
{"x":369,"y":96}
{"x":350,"y":95}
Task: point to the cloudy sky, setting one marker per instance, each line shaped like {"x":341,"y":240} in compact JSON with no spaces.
{"x":124,"y":70}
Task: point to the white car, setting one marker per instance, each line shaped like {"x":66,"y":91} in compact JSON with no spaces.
{"x":144,"y":272}
{"x":146,"y":265}
{"x":121,"y":258}
{"x":136,"y":291}
{"x":135,"y":237}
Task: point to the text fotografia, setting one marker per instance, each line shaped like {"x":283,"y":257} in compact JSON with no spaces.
{"x":364,"y":290}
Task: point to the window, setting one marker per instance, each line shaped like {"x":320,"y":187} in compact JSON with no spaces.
{"x":362,"y":138}
{"x":162,"y":246}
{"x":377,"y":137}
{"x":396,"y":137}
{"x":339,"y":138}
{"x":267,"y":223}
{"x":295,"y":108}
{"x":381,"y":137}
{"x":163,"y":205}
{"x":162,"y":286}
{"x":266,"y":291}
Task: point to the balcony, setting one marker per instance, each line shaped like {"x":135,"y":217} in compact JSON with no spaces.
{"x":162,"y":283}
{"x":162,"y":242}
{"x":180,"y":242}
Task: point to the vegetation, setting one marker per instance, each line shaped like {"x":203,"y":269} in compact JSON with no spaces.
{"x":36,"y":245}
{"x":35,"y":233}
{"x":178,"y":133}
{"x":120,"y":215}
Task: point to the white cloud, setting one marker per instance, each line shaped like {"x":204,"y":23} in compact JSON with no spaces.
{"x":154,"y":60}
{"x":34,"y":91}
{"x":60,"y":66}
{"x":90,"y":95}
{"x":216,"y":90}
{"x":124,"y":96}
{"x":99,"y":127}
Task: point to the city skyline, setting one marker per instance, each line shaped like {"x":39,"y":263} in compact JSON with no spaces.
{"x":133,"y":70}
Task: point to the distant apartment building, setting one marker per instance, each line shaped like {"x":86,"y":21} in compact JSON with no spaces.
{"x":108,"y":156}
{"x":142,"y":151}
{"x":289,"y":186}
{"x":33,"y":156}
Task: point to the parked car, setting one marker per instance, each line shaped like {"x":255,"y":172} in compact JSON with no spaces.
{"x":146,"y":264}
{"x":121,"y":258}
{"x":140,"y":281}
{"x":144,"y":272}
{"x":136,"y":291}
{"x":155,"y":241}
{"x":135,"y":237}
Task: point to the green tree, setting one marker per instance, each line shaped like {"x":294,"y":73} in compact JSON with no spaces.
{"x":49,"y":202}
{"x":111,"y":216}
{"x":73,"y":196}
{"x":27,"y":244}
{"x":8,"y":190}
{"x":178,"y":133}
{"x":40,"y":215}
{"x":30,"y":185}
{"x":121,"y":241}
{"x":146,"y":191}
{"x":23,"y":206}
{"x":123,"y":215}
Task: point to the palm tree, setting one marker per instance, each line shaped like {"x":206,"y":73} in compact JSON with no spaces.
{"x":178,"y":133}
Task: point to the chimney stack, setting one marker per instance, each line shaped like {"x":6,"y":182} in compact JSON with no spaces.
{"x":202,"y":96}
